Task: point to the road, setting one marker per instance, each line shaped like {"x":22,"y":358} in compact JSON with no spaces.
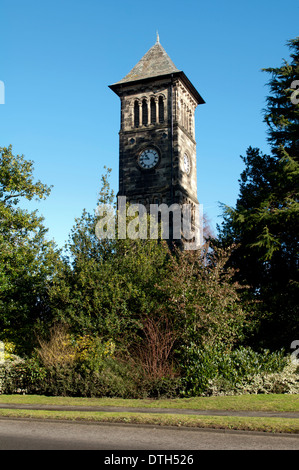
{"x":18,"y":434}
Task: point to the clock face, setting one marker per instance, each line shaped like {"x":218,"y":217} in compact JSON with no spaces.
{"x":148,"y":158}
{"x":187,"y":164}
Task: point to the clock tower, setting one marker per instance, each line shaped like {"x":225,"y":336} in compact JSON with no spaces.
{"x":157,"y":148}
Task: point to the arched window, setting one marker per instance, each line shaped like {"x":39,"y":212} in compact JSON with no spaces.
{"x":161,"y":109}
{"x":182,"y":112}
{"x":153,"y":111}
{"x":136,"y":114}
{"x":144,"y":113}
{"x":189,"y":120}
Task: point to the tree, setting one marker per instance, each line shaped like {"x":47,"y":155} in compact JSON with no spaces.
{"x":123,"y":289}
{"x":27,"y":259}
{"x":202,"y":300}
{"x":282,"y":111}
{"x":264,"y":225}
{"x":107,"y":286}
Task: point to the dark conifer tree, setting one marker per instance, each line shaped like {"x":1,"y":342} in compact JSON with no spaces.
{"x":264,"y":225}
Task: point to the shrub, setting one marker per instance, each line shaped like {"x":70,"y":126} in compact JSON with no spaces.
{"x":202,"y":300}
{"x":206,"y":373}
{"x":8,"y":351}
{"x":215,"y":371}
{"x":285,"y":381}
{"x":116,"y":378}
{"x":63,"y":350}
{"x":58,"y":351}
{"x":85,"y":366}
{"x":21,"y":376}
{"x":153,"y":351}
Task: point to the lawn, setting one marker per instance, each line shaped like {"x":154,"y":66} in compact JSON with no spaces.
{"x":261,"y":403}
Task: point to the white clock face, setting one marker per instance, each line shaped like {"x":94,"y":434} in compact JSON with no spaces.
{"x":148,"y":158}
{"x":187,"y":165}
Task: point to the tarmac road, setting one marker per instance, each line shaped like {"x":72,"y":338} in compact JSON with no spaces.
{"x":21,"y":434}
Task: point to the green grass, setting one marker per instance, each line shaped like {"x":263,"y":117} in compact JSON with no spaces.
{"x":273,"y":425}
{"x":263,"y":402}
{"x":281,"y":403}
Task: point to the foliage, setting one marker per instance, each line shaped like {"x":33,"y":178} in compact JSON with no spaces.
{"x":63,"y":349}
{"x":132,"y":318}
{"x":264,"y":224}
{"x":58,"y":351}
{"x":208,"y":370}
{"x":285,"y":381}
{"x":106,"y":287}
{"x":19,"y":376}
{"x":110,"y":296}
{"x":27,"y":259}
{"x":204,"y":372}
{"x":66,"y":365}
{"x":154,"y":351}
{"x":7,"y":351}
{"x":282,"y":111}
{"x":149,"y":301}
{"x":202,"y":300}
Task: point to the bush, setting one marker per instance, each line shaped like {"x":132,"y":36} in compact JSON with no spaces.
{"x":76,"y":380}
{"x":66,"y":366}
{"x":286,"y":381}
{"x":87,"y":366}
{"x":21,"y":376}
{"x":206,"y":372}
{"x":115,"y":379}
{"x":215,"y":371}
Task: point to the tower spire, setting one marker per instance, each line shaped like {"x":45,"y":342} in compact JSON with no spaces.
{"x":158,"y":38}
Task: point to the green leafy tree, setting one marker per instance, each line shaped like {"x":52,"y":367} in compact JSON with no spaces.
{"x":202,"y":299}
{"x":27,"y":259}
{"x":107,"y":286}
{"x":264,"y":225}
{"x":155,"y":304}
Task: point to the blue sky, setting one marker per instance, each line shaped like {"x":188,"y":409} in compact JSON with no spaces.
{"x":57,"y":59}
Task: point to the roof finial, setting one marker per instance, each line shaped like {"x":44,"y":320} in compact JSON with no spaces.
{"x":158,"y":38}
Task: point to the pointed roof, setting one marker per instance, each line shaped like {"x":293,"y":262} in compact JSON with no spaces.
{"x":154,"y":63}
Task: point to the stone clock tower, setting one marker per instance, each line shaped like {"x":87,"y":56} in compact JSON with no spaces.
{"x":157,"y":148}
